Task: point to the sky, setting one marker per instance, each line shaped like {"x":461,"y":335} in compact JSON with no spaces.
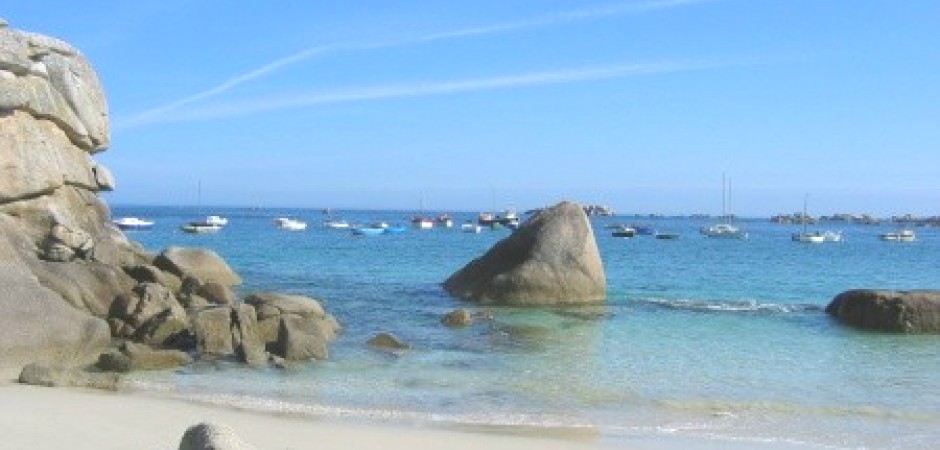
{"x":642,"y":105}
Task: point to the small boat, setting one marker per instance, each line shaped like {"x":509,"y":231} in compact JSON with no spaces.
{"x":286,"y":223}
{"x":470,"y":227}
{"x":804,"y":236}
{"x":395,"y":229}
{"x":133,"y":223}
{"x":667,"y":236}
{"x":832,"y":236}
{"x":367,"y":231}
{"x":724,"y":231}
{"x":381,"y":225}
{"x":644,"y":230}
{"x":900,"y":236}
{"x":486,"y":219}
{"x":808,"y":238}
{"x":624,"y":232}
{"x":200,"y":227}
{"x":216,"y":220}
{"x":422,"y":223}
{"x":445,"y":221}
{"x":336,"y":224}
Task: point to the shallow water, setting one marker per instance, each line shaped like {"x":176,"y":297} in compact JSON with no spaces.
{"x":721,"y":341}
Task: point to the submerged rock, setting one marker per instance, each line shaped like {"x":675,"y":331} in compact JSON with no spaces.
{"x":893,"y":311}
{"x":457,"y":318}
{"x":551,"y":260}
{"x":206,"y":436}
{"x":387,"y":341}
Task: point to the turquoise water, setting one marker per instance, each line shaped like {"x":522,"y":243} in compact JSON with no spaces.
{"x":717,"y":341}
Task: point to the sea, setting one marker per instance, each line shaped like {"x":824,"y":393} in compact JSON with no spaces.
{"x":702,"y":343}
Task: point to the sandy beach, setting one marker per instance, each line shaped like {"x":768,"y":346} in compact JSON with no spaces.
{"x":55,"y":418}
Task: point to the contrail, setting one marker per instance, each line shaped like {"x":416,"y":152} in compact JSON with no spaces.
{"x":426,"y":89}
{"x":150,"y":116}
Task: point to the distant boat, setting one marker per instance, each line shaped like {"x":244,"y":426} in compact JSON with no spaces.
{"x":644,"y":230}
{"x":368,"y":231}
{"x":470,"y":227}
{"x":286,"y":223}
{"x":133,"y":223}
{"x":667,"y":236}
{"x":395,"y":229}
{"x":508,"y":219}
{"x":217,"y":220}
{"x":724,"y":230}
{"x":900,"y":236}
{"x":336,"y":224}
{"x":815,"y":237}
{"x":200,"y":227}
{"x":422,"y":223}
{"x":445,"y":221}
{"x":624,"y":232}
{"x":832,"y":236}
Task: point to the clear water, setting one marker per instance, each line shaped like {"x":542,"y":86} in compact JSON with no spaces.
{"x":713,"y":340}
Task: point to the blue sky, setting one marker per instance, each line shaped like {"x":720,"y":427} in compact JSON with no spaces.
{"x":638,"y":104}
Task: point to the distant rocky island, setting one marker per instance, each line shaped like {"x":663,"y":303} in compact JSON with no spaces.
{"x":862,"y":219}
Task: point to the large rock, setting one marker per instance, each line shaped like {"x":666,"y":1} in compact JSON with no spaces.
{"x":214,"y":331}
{"x":206,"y":436}
{"x":86,"y":285}
{"x":273,"y":308}
{"x":302,"y":339}
{"x":245,"y":336}
{"x":202,"y":264}
{"x":893,"y":311}
{"x":53,"y":81}
{"x":55,"y":376}
{"x":133,"y":356}
{"x":36,"y":324}
{"x":551,"y":260}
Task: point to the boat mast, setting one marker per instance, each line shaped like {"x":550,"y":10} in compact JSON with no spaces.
{"x":724,"y":198}
{"x":805,"y":199}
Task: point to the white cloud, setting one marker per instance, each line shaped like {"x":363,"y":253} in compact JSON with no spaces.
{"x":372,"y":93}
{"x":156,"y":114}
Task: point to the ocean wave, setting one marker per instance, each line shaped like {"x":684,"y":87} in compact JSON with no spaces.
{"x":280,"y":406}
{"x":734,"y":306}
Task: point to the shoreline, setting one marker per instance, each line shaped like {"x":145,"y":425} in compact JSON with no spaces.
{"x":37,"y":417}
{"x":51,"y":418}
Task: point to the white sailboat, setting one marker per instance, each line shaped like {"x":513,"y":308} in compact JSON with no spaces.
{"x":804,"y":236}
{"x":725,"y":230}
{"x":212,"y":224}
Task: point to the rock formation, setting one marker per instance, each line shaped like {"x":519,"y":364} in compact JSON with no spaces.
{"x":552,"y":259}
{"x":73,"y":284}
{"x":893,"y":311}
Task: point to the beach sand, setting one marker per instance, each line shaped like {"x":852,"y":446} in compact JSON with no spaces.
{"x":34,"y":417}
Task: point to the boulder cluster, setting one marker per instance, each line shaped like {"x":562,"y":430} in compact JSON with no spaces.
{"x":75,"y":289}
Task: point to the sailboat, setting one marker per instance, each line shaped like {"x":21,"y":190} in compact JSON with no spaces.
{"x":724,"y":230}
{"x":804,"y":236}
{"x":421,"y":222}
{"x":203,"y":226}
